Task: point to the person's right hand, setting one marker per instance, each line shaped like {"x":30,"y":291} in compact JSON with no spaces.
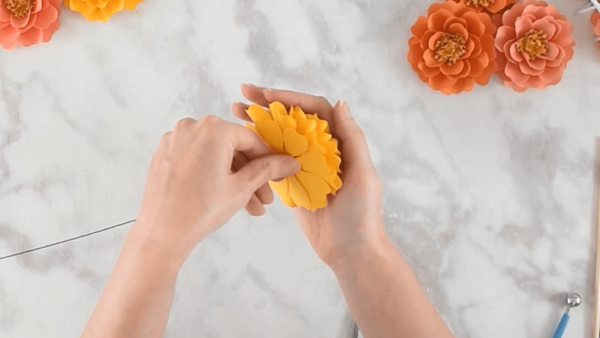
{"x":351,"y":221}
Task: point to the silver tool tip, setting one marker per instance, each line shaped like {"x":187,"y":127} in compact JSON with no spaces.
{"x":573,"y":300}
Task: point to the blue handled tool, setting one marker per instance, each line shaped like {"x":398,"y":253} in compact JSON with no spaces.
{"x":572,"y":301}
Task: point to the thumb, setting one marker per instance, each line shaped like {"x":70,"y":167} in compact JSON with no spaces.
{"x":261,"y":170}
{"x":354,"y":143}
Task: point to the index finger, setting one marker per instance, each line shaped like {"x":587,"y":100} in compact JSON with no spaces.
{"x":309,"y":103}
{"x":247,"y":142}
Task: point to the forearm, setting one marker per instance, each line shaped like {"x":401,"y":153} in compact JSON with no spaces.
{"x":384,"y":296}
{"x":138,"y":296}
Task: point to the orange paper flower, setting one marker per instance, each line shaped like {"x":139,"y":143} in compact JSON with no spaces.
{"x":308,"y":139}
{"x":494,"y":8}
{"x":489,"y":6}
{"x":534,"y":44}
{"x":453,"y":48}
{"x":100,"y":10}
{"x":596,"y":23}
{"x":27,"y":22}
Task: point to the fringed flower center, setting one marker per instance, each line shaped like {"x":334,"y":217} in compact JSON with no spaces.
{"x":449,"y":48}
{"x":19,"y":8}
{"x":534,"y":44}
{"x":480,"y":3}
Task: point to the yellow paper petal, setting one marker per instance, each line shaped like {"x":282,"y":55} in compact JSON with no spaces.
{"x":258,"y":113}
{"x":282,"y":190}
{"x":316,"y":189}
{"x":80,"y":6}
{"x":112,"y":7}
{"x":334,"y":181}
{"x":324,"y":137}
{"x":131,"y":4}
{"x":251,"y":127}
{"x":311,"y":135}
{"x":334,"y":162}
{"x":277,"y":110}
{"x":331,"y":146}
{"x":316,"y":147}
{"x":322,"y":125}
{"x":287,"y":122}
{"x":297,"y":113}
{"x":334,"y":146}
{"x":314,"y":163}
{"x":295,"y":144}
{"x":337,"y":183}
{"x":97,"y":15}
{"x":271,"y":134}
{"x":298,"y":194}
{"x":96,"y":10}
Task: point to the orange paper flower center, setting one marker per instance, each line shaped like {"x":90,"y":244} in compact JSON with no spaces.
{"x":449,"y":48}
{"x":534,"y":44}
{"x":478,"y":3}
{"x":19,"y":8}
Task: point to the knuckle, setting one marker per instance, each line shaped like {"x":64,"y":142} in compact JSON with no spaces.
{"x":165,"y":137}
{"x":185,"y":122}
{"x":210,"y":121}
{"x":266,"y":166}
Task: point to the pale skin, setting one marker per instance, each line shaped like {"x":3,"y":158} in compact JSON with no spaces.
{"x":197,"y":169}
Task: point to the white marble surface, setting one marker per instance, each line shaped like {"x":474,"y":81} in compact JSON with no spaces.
{"x":489,"y":194}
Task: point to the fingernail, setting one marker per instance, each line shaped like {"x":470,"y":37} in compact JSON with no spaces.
{"x":268,"y":91}
{"x":290,"y":167}
{"x":248,"y":84}
{"x":344,"y":107}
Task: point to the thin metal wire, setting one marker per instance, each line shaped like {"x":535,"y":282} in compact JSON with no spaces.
{"x":67,"y":240}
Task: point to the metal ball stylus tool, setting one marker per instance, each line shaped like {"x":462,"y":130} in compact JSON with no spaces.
{"x":573,"y":301}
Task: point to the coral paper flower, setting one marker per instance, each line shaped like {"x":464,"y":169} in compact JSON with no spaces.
{"x":27,"y":22}
{"x":596,"y":23}
{"x":453,"y":48}
{"x":308,"y":139}
{"x":489,"y":6}
{"x":534,"y":44}
{"x":100,"y":10}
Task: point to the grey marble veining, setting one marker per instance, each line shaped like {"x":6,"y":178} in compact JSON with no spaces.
{"x":489,"y":195}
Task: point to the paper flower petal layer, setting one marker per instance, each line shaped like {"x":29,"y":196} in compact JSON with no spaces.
{"x":27,"y":22}
{"x":308,"y":139}
{"x":488,"y":6}
{"x":100,"y":10}
{"x":453,"y":48}
{"x":534,"y":45}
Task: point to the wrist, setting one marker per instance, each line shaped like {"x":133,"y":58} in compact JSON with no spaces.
{"x":163,"y":254}
{"x":369,"y":253}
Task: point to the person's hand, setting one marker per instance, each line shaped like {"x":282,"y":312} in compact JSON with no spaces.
{"x":351,"y":221}
{"x":202,"y":173}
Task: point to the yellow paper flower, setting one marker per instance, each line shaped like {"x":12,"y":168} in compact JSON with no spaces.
{"x":100,"y":10}
{"x":308,"y":139}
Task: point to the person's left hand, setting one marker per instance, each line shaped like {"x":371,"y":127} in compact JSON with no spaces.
{"x":202,"y":173}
